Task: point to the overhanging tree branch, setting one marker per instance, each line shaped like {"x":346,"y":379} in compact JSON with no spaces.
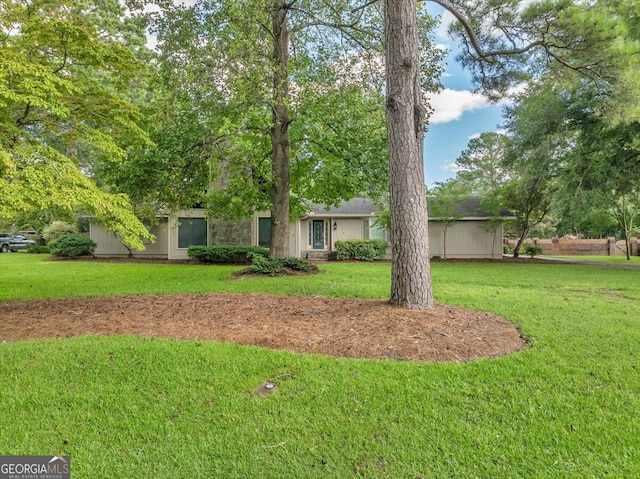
{"x":485,"y":55}
{"x":515,"y":36}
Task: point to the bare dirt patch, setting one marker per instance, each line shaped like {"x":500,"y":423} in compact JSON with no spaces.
{"x":341,"y":327}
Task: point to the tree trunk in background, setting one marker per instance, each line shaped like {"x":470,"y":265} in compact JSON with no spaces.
{"x":280,"y":187}
{"x":518,"y":247}
{"x":410,"y":271}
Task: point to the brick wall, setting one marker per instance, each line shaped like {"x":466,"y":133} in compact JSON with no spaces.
{"x":564,"y":246}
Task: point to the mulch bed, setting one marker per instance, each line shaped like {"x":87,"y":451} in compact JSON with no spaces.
{"x":353,"y":328}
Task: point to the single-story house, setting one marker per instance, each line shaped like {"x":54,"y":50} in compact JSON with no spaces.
{"x":312,"y":235}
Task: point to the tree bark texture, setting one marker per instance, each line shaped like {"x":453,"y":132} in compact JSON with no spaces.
{"x":280,"y":186}
{"x":410,"y":272}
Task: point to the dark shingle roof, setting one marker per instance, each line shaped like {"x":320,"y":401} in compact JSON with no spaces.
{"x":354,"y":207}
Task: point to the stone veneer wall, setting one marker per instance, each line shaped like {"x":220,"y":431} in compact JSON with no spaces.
{"x":225,"y":232}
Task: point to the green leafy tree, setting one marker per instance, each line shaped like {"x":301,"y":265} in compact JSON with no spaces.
{"x":57,"y":229}
{"x":482,"y":169}
{"x":481,"y":164}
{"x":170,"y":174}
{"x":287,"y":103}
{"x":62,"y":90}
{"x":589,"y":122}
{"x":625,"y":210}
{"x":534,"y":155}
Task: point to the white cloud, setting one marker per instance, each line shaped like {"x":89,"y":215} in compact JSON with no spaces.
{"x":450,"y":167}
{"x":449,"y":105}
{"x":446,"y":19}
{"x":515,"y":90}
{"x":442,"y":46}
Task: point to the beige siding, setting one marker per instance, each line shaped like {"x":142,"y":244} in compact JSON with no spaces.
{"x":111,"y":245}
{"x":465,"y":239}
{"x":346,"y":229}
{"x":294,"y":240}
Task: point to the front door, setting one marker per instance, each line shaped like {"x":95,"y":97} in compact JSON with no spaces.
{"x":318,"y":234}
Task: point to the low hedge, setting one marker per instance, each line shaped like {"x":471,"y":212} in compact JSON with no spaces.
{"x":361,"y":250}
{"x":278,"y":266}
{"x":37,"y":249}
{"x":225,"y":254}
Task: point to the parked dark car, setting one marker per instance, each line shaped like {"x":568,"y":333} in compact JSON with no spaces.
{"x":14,"y":242}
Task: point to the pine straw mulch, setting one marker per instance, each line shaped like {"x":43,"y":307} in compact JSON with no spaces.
{"x":353,"y":328}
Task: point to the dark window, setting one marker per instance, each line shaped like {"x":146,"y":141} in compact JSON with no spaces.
{"x":192,"y":232}
{"x":264,"y":232}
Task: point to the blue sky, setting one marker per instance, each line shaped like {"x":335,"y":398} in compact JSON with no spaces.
{"x":459,"y":114}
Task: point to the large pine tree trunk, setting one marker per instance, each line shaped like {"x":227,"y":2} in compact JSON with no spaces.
{"x":280,"y":187}
{"x":410,"y":271}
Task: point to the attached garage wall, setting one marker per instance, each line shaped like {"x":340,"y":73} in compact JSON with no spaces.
{"x":111,"y":245}
{"x":465,"y":239}
{"x":347,"y":229}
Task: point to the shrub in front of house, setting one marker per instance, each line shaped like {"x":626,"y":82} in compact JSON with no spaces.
{"x":532,"y":249}
{"x":38,"y":249}
{"x":225,"y":254}
{"x":297,"y":264}
{"x":278,"y":266}
{"x":264,"y":265}
{"x":72,"y":246}
{"x":361,"y":250}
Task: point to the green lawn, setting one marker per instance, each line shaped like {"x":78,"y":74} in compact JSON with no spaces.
{"x":635,"y":260}
{"x":151,"y":408}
